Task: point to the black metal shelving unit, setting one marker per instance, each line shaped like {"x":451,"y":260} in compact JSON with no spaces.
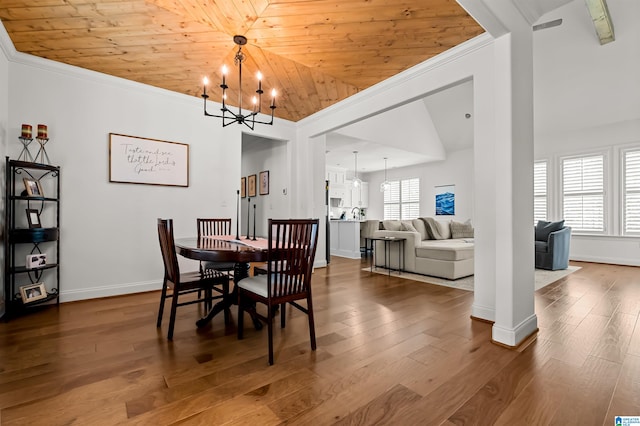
{"x":21,"y":240}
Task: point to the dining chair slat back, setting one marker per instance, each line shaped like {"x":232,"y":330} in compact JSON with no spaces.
{"x":208,"y":227}
{"x":204,"y":283}
{"x":290,"y":256}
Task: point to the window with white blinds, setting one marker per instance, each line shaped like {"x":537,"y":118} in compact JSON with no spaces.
{"x":539,"y":191}
{"x":402,"y":200}
{"x":631,"y":189}
{"x":583,"y":193}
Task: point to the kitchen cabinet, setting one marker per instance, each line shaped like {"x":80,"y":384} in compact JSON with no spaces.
{"x":360,"y":196}
{"x":345,"y":238}
{"x":335,"y":176}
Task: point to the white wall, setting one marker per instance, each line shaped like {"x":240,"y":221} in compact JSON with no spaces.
{"x":456,"y":169}
{"x":588,"y":98}
{"x":4,"y":135}
{"x":109,"y":242}
{"x":271,"y":155}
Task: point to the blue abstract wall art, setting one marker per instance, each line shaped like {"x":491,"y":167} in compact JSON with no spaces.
{"x":445,"y":200}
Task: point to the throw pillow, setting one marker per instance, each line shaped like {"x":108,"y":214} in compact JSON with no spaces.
{"x":422,"y":229}
{"x":435,"y":229}
{"x":404,"y":226}
{"x":444,"y":229}
{"x":544,"y":228}
{"x":391,"y":225}
{"x":461,"y":230}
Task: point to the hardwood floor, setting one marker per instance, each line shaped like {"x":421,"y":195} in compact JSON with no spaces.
{"x":390,"y":351}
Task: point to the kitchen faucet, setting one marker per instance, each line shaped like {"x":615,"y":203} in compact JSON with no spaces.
{"x":353,"y":212}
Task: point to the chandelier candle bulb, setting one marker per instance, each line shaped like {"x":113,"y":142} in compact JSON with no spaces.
{"x":224,"y":75}
{"x":26,"y":131}
{"x":273,"y":98}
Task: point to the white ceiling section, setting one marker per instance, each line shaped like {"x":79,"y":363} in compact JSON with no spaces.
{"x":567,"y":59}
{"x":572,"y":69}
{"x":419,"y":132}
{"x":448,"y":110}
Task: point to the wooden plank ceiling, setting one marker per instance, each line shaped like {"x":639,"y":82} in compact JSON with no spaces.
{"x":313,"y":52}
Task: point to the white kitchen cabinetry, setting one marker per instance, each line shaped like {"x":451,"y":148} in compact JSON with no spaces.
{"x":335,"y":176}
{"x":345,"y":238}
{"x":360,"y":195}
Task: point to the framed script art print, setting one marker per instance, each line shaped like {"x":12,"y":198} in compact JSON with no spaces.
{"x":251,"y":182}
{"x":243,"y":187}
{"x":264,"y":182}
{"x":134,"y":159}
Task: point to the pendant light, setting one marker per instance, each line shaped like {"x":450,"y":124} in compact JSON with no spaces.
{"x":385,"y":186}
{"x":356,"y":182}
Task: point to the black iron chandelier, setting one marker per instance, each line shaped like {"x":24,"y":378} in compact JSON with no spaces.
{"x":247,"y":118}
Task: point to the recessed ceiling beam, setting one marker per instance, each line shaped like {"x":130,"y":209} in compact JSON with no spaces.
{"x":601,"y":20}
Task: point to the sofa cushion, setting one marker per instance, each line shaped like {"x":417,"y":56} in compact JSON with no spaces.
{"x":404,"y":226}
{"x":391,"y":225}
{"x":419,"y":225}
{"x":445,"y":250}
{"x":436,"y":230}
{"x":544,"y":228}
{"x":461,"y":230}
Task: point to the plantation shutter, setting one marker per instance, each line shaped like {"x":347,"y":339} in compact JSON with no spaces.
{"x":583,"y":193}
{"x":632,"y":192}
{"x":392,"y":201}
{"x":539,"y":191}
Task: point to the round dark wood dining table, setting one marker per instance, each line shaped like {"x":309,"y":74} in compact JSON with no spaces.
{"x":224,"y":250}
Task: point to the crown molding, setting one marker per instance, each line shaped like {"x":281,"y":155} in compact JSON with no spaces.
{"x":6,"y":45}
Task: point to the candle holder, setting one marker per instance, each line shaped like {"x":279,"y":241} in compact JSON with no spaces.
{"x":254,"y":223}
{"x":42,"y":153}
{"x":248,"y":217}
{"x":25,"y":149}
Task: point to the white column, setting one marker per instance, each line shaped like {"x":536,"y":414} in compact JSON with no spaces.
{"x":503,"y":161}
{"x":515,"y":318}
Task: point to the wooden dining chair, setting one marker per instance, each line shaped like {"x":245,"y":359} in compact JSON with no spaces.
{"x":203,"y":282}
{"x":291,"y":252}
{"x":212,"y":227}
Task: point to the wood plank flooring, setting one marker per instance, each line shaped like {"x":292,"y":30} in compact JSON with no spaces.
{"x":390,"y":351}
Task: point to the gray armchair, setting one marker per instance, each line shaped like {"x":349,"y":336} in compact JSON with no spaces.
{"x":552,"y":245}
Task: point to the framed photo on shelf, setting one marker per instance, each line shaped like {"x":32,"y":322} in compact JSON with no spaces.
{"x":33,"y":187}
{"x":264,"y":182}
{"x":251,"y":182}
{"x":32,"y":292}
{"x":36,"y":260}
{"x":33,"y":216}
{"x":243,"y":187}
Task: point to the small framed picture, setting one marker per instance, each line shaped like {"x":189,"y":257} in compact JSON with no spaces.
{"x":36,"y":260}
{"x":33,"y":187}
{"x":33,"y":216}
{"x":32,"y":292}
{"x":251,"y":183}
{"x":264,"y":182}
{"x":243,"y":187}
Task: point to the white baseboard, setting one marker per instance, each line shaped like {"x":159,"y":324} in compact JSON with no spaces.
{"x":608,"y":260}
{"x":483,"y":312}
{"x":514,"y":336}
{"x":110,"y":290}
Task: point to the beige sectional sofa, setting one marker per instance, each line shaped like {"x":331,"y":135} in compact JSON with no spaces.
{"x":432,"y":247}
